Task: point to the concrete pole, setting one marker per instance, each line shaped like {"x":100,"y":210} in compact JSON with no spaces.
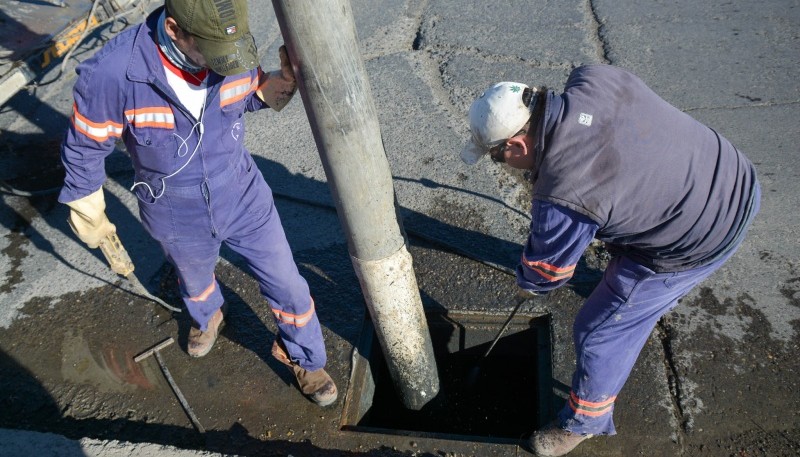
{"x":321,"y":39}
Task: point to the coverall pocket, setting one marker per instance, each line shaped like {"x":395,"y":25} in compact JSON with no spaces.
{"x":682,"y":278}
{"x":145,"y":193}
{"x":157,"y":138}
{"x":156,"y":216}
{"x":158,"y":151}
{"x":623,"y":277}
{"x":256,"y":195}
{"x":177,"y":218}
{"x":671,"y":280}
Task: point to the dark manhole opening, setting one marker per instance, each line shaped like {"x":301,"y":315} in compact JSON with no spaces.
{"x":508,"y":399}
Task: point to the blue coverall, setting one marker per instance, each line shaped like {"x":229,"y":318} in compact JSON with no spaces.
{"x":616,"y":320}
{"x":197,"y":185}
{"x":671,"y":198}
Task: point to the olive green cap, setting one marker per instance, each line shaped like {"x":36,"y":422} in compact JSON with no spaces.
{"x":221,"y":31}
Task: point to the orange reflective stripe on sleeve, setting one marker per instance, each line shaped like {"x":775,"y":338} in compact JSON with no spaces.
{"x":588,"y":408}
{"x":98,"y":131}
{"x":550,"y":272}
{"x":236,"y":90}
{"x":298,"y":320}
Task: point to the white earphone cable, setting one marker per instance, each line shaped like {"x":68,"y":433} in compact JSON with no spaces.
{"x":182,"y":146}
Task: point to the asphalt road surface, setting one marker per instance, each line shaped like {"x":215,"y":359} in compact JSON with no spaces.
{"x":719,"y":376}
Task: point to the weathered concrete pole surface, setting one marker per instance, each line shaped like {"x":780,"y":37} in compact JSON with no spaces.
{"x":321,"y":39}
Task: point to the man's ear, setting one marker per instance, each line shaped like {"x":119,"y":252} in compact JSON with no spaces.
{"x":173,"y":29}
{"x":520,"y":142}
{"x":520,"y":153}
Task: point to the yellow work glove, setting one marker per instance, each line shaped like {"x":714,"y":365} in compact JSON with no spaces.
{"x":87,"y":218}
{"x":277,"y":88}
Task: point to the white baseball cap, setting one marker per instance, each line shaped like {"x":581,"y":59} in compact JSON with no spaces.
{"x":494,"y":117}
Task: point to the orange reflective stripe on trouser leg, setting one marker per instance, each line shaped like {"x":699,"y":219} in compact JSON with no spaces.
{"x":588,"y":408}
{"x":298,"y":320}
{"x":203,"y":296}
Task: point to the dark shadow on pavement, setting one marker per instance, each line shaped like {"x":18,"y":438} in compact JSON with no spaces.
{"x":238,"y":440}
{"x":491,"y":251}
{"x":26,"y":405}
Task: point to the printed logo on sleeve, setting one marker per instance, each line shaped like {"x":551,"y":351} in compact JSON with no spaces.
{"x":585,"y":119}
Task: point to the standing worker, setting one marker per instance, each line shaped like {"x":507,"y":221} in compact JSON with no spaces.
{"x":175,"y":89}
{"x":609,"y":159}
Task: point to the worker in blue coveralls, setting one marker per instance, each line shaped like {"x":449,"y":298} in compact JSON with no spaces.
{"x":175,"y":89}
{"x":609,"y":159}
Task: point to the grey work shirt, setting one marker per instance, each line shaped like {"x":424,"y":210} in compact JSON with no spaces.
{"x":665,"y":190}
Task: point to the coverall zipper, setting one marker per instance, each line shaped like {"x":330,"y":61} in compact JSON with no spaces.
{"x":207,"y":197}
{"x":204,"y":185}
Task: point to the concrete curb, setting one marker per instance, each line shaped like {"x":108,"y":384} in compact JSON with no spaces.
{"x":23,"y":443}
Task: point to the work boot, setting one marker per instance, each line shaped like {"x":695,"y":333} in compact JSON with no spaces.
{"x":200,"y":343}
{"x":552,"y":441}
{"x":316,"y":385}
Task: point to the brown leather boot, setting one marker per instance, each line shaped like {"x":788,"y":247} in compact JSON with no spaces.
{"x":317,"y":385}
{"x":200,"y":343}
{"x":553,"y":441}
